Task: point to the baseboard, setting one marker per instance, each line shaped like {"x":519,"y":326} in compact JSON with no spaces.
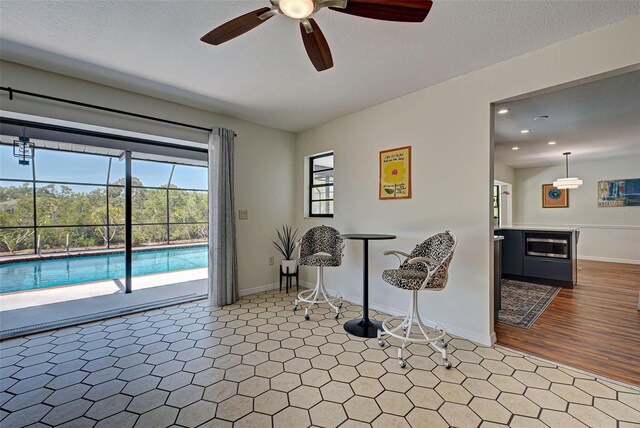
{"x":610,"y":260}
{"x":451,"y":329}
{"x":375,"y":306}
{"x":494,"y":338}
{"x":486,"y":340}
{"x":259,"y":289}
{"x":306,"y":284}
{"x":475,"y":337}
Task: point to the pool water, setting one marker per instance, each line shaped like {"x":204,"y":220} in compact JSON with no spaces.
{"x":38,"y":274}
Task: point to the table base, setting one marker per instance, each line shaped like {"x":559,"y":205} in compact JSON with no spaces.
{"x":362,"y":328}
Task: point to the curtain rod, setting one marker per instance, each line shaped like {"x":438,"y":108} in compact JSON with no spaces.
{"x":12,"y":91}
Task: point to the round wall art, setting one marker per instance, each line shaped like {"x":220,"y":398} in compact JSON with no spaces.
{"x":555,"y":193}
{"x":553,"y":197}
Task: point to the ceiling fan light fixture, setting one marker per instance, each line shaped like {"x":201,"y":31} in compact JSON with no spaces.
{"x":297,"y":9}
{"x":314,"y":41}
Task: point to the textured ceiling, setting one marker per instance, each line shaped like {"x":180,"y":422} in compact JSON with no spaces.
{"x":595,"y":120}
{"x":264,"y":76}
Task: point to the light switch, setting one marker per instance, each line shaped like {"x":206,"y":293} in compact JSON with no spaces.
{"x":243,"y":214}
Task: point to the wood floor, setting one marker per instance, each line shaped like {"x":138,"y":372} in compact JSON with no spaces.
{"x":594,"y":326}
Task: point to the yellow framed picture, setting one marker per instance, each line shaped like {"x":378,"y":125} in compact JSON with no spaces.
{"x":395,"y":173}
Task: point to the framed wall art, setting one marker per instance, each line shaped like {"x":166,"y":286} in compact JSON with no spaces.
{"x":619,"y":193}
{"x":553,"y":197}
{"x":395,"y":173}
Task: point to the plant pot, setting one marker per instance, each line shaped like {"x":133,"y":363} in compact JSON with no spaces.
{"x":291,"y":264}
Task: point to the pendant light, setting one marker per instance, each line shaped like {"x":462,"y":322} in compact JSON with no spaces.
{"x":568,"y":182}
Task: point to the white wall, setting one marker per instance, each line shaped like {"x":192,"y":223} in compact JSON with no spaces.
{"x":264,"y":180}
{"x":448,"y":127}
{"x":503,"y":172}
{"x":610,"y":234}
{"x":505,"y":176}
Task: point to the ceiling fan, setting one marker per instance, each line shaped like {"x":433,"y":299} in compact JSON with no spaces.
{"x":312,"y":37}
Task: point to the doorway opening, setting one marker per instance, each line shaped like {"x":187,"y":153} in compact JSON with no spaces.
{"x":566,"y":286}
{"x":93,"y":226}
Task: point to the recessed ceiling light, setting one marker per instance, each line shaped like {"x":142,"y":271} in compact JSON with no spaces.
{"x":551,"y":143}
{"x":515,"y":148}
{"x":525,"y":131}
{"x":503,"y":111}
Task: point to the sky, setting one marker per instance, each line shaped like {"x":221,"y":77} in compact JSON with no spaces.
{"x":52,"y":165}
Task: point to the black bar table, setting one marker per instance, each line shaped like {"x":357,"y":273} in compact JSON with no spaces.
{"x":365,"y":327}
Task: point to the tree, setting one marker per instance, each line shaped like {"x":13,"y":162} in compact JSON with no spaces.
{"x":16,"y":211}
{"x":80,"y":212}
{"x":13,"y":240}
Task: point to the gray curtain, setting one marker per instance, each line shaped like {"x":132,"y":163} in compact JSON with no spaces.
{"x":223,"y":263}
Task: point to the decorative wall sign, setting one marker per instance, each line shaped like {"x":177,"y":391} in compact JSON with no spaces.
{"x":554,"y":198}
{"x":395,"y":173}
{"x":619,"y":193}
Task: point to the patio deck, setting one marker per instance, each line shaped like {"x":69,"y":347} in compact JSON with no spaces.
{"x":39,"y":310}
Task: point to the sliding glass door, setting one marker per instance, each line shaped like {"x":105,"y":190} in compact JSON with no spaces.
{"x":169,"y":217}
{"x":63,"y":217}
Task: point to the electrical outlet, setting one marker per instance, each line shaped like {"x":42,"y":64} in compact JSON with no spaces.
{"x":272,"y":261}
{"x":243,"y":215}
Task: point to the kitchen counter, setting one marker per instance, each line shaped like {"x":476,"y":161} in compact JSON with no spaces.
{"x":540,"y":228}
{"x":545,"y":255}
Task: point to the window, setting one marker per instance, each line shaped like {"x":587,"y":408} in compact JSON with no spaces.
{"x":76,"y":200}
{"x":170,"y":203}
{"x":321,"y":185}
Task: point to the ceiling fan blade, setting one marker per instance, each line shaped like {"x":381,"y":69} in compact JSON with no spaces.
{"x":235,"y":27}
{"x":316,"y":46}
{"x":388,"y":10}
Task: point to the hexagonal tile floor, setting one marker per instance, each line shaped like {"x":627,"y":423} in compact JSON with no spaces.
{"x":257,"y":364}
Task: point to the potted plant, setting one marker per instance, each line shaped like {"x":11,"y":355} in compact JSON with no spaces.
{"x":285,"y":245}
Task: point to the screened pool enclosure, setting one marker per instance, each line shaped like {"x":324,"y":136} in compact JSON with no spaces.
{"x":79,"y":194}
{"x":72,"y":198}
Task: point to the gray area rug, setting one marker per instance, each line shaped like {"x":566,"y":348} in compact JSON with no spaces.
{"x":524,"y":302}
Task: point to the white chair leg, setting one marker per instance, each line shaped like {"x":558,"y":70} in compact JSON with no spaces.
{"x":319,"y":294}
{"x":401,"y":363}
{"x":432,"y":333}
{"x":403,"y":325}
{"x":438,"y":345}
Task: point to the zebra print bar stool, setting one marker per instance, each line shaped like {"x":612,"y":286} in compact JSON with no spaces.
{"x":425,"y":269}
{"x":322,"y":247}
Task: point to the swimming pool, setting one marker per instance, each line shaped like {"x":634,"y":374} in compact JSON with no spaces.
{"x":38,"y":274}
